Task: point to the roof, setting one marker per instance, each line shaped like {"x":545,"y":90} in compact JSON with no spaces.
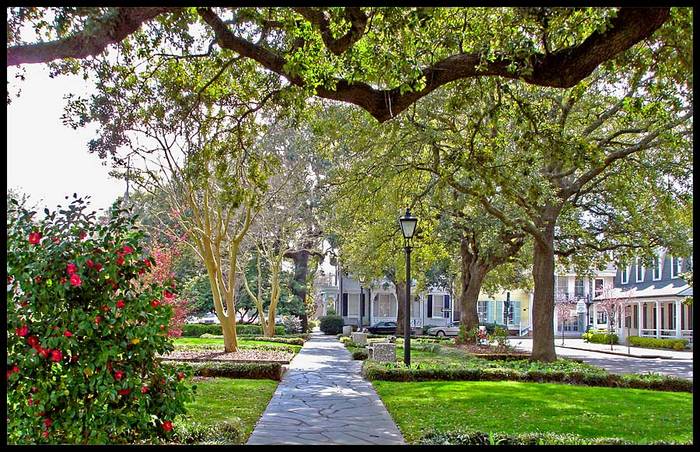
{"x":686,"y":292}
{"x":668,"y":290}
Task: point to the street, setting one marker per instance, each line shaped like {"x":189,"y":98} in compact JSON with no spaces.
{"x":618,"y":364}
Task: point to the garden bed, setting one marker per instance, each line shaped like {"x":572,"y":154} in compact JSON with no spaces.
{"x":242,"y":355}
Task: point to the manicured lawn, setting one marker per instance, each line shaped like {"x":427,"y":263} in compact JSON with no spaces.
{"x":216,"y":342}
{"x":512,"y":407}
{"x":241,"y":401}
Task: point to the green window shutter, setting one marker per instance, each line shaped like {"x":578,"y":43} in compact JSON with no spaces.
{"x":489,"y":311}
{"x":498,"y":317}
{"x":430,"y":306}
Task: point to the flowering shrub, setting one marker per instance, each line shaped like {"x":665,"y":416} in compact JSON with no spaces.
{"x":292,"y":324}
{"x":83,"y":334}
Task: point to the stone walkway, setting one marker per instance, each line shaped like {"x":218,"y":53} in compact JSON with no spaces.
{"x":322,"y":399}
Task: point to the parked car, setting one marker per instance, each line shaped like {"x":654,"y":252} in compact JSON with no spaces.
{"x":383,"y":328}
{"x":207,"y":318}
{"x":450,"y":330}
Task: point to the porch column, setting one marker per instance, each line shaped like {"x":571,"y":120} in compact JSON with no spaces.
{"x":640,"y":319}
{"x":658,"y":320}
{"x":678,"y":317}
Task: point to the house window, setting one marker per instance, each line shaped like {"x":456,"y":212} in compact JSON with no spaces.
{"x":598,"y":287}
{"x":561,"y":287}
{"x":353,"y":305}
{"x":438,"y":304}
{"x":386,"y":305}
{"x":578,"y":288}
{"x":676,"y":266}
{"x":657,"y":269}
{"x":602,"y":317}
{"x":415,"y":308}
{"x":481,"y":311}
{"x":624,"y":274}
{"x":640,"y":271}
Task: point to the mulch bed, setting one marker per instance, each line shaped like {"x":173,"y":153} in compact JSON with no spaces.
{"x":242,"y":355}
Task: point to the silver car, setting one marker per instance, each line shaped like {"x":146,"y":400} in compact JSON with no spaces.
{"x":441,"y":331}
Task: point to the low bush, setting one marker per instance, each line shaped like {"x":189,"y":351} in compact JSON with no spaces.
{"x":269,"y":371}
{"x":331,"y":324}
{"x":360,"y":354}
{"x":197,"y":329}
{"x":476,"y":438}
{"x":600,"y":337}
{"x":292,"y":324}
{"x":538,"y":374}
{"x":188,"y":432}
{"x":675,"y":344}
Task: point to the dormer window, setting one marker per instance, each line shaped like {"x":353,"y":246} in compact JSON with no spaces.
{"x":625,"y":274}
{"x":676,"y":265}
{"x":657,"y":268}
{"x":640,"y":270}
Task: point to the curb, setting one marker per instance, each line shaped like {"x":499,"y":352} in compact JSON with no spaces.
{"x":617,"y":353}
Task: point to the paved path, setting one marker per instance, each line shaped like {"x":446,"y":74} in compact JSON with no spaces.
{"x":678,"y":366}
{"x":322,"y":399}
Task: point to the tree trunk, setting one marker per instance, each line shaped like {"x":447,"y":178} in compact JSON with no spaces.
{"x":471,"y":278}
{"x":230,"y":338}
{"x":400,"y":311}
{"x":301,"y":266}
{"x":543,"y":299}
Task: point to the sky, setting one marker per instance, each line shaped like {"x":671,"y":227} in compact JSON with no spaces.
{"x":46,"y":159}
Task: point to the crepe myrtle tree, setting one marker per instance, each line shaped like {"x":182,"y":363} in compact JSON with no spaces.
{"x":616,"y":308}
{"x":85,"y":326}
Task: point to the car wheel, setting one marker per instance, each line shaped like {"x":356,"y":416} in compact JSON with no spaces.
{"x":440,"y":333}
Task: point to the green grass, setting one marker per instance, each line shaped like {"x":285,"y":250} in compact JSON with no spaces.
{"x":637,"y":415}
{"x":194,"y":342}
{"x":241,"y":401}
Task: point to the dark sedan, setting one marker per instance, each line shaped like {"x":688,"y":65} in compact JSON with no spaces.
{"x":383,"y":328}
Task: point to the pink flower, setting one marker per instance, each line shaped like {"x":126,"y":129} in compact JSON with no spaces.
{"x":144,"y":389}
{"x":34,"y":238}
{"x":127,"y":249}
{"x":75,"y":280}
{"x":67,"y":333}
{"x":71,"y":268}
{"x":168,"y":295}
{"x":22,"y":331}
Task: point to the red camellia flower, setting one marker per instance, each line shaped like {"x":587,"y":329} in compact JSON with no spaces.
{"x":98,"y":266}
{"x":167,"y":426}
{"x":147,"y":263}
{"x":180,"y":375}
{"x":155,"y":303}
{"x":45,"y":433}
{"x":118,"y":374}
{"x":56,"y":240}
{"x":75,"y":280}
{"x":98,"y":319}
{"x":67,"y":333}
{"x":71,"y":268}
{"x":124,"y":391}
{"x":56,"y":356}
{"x":22,"y":331}
{"x":37,"y":279}
{"x":120,"y":304}
{"x":32,"y":341}
{"x":43,"y":352}
{"x":120,"y":260}
{"x":34,"y":238}
{"x":30,"y":401}
{"x":162,"y":327}
{"x":127,"y":249}
{"x":144,"y":389}
{"x":141,"y":271}
{"x":83,"y":234}
{"x":167,"y":294}
{"x":104,"y":308}
{"x":90,"y":263}
{"x":48,"y":422}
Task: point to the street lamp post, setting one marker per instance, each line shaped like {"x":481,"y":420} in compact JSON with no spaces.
{"x":408,"y":228}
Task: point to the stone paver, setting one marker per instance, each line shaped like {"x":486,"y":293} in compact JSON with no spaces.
{"x":322,"y":399}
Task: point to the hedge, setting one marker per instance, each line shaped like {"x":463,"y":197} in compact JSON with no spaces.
{"x":186,"y":431}
{"x":197,"y":329}
{"x":476,"y":438}
{"x":395,"y":372}
{"x":259,"y":371}
{"x":331,"y":324}
{"x":675,"y":344}
{"x":360,"y":354}
{"x":600,"y":337}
